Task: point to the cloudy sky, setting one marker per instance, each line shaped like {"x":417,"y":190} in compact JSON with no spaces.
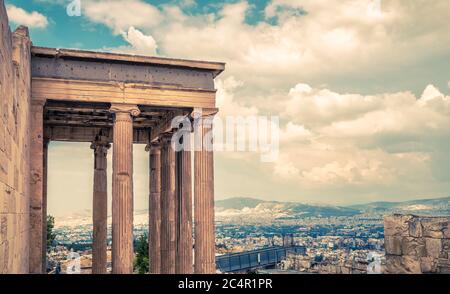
{"x":362,"y":89}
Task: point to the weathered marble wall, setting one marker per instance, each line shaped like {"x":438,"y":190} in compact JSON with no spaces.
{"x":416,"y":244}
{"x":14,"y":146}
{"x":331,"y":265}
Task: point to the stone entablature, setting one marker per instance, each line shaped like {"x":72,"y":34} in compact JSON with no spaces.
{"x":417,"y":244}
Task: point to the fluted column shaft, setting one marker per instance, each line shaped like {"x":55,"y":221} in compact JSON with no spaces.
{"x":184,"y":213}
{"x":100,"y":207}
{"x":155,"y":209}
{"x":122,"y":189}
{"x":168,"y":237}
{"x":204,"y":199}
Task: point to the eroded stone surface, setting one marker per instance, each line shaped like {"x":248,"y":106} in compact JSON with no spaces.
{"x":415,"y":228}
{"x":433,"y":247}
{"x":416,"y":244}
{"x":413,"y":246}
{"x":396,"y":225}
{"x":393,"y":245}
{"x":428,"y":265}
{"x":14,"y":146}
{"x":433,"y":228}
{"x":403,"y":264}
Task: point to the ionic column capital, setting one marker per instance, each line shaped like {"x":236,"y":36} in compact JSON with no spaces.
{"x":166,"y":139}
{"x":204,"y":112}
{"x":100,"y":145}
{"x":153,"y":147}
{"x":130,"y":109}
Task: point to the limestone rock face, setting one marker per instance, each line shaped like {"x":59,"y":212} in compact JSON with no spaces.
{"x":415,"y":228}
{"x":15,"y":87}
{"x":433,"y":247}
{"x":433,"y":228}
{"x":428,"y":265}
{"x":416,"y":244}
{"x":397,"y":225}
{"x":443,"y":266}
{"x":403,"y":265}
{"x":446,"y":246}
{"x":413,"y":247}
{"x":393,"y":245}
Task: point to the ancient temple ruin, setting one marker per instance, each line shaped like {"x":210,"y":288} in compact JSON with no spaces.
{"x":417,"y":244}
{"x":112,"y":101}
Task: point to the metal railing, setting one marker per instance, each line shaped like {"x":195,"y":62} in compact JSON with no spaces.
{"x":260,"y":258}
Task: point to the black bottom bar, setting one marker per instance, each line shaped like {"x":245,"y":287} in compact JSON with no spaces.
{"x":306,"y":283}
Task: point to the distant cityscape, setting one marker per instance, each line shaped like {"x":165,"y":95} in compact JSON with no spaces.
{"x":335,"y":239}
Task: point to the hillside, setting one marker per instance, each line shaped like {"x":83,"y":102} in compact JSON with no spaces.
{"x":257,"y":208}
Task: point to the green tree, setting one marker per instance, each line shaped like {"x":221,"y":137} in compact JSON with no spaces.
{"x":50,"y":234}
{"x":141,"y":265}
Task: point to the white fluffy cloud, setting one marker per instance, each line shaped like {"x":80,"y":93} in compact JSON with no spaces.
{"x":227,"y":102}
{"x":32,"y":19}
{"x":139,"y":43}
{"x":317,"y":106}
{"x":309,"y":41}
{"x":335,"y":143}
{"x":332,"y":142}
{"x":365,"y":140}
{"x":119,"y":15}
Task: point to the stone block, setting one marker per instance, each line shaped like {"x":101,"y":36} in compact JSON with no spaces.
{"x":446,"y":231}
{"x":11,"y":227}
{"x":428,"y":265}
{"x":397,"y":225}
{"x":446,"y":245}
{"x":7,"y":200}
{"x":413,"y":246}
{"x":3,"y":167}
{"x":4,"y":257}
{"x":402,"y":265}
{"x":415,"y":228}
{"x":8,"y":142}
{"x":443,"y":266}
{"x":434,"y":227}
{"x":3,"y":228}
{"x":393,"y":245}
{"x":2,"y":137}
{"x":433,"y":247}
{"x":425,"y":245}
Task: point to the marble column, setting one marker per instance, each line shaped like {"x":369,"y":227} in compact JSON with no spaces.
{"x":204,"y":197}
{"x":38,"y":226}
{"x":168,"y":236}
{"x":184,"y":214}
{"x":100,"y":206}
{"x":155,"y":208}
{"x":44,"y":203}
{"x":122,"y":188}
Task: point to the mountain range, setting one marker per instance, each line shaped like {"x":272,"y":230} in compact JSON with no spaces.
{"x":252,"y":207}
